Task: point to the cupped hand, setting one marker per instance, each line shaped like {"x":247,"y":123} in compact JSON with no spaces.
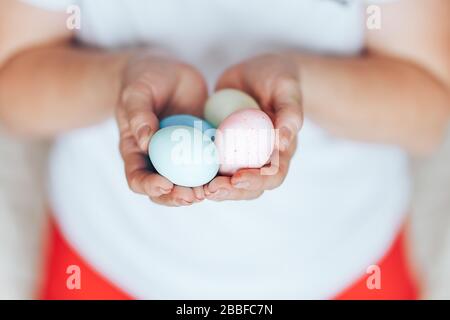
{"x":154,"y":86}
{"x":273,"y":80}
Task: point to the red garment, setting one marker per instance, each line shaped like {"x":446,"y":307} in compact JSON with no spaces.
{"x":396,"y":281}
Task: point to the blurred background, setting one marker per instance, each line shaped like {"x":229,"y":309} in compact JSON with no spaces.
{"x":23,"y":219}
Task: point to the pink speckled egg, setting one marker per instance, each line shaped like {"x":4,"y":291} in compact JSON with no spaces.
{"x":245,"y":139}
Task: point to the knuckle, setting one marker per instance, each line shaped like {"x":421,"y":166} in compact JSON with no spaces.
{"x":175,"y":193}
{"x":126,"y":145}
{"x":152,"y":185}
{"x":287,"y":82}
{"x":137,"y":89}
{"x":153,"y":190}
{"x":148,"y":188}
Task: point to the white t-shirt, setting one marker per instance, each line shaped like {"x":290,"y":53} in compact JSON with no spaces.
{"x":337,"y":212}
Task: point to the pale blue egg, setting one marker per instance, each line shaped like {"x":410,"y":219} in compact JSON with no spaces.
{"x":190,"y":121}
{"x":184,"y":155}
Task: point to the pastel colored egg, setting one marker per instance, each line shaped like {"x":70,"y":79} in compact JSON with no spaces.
{"x":245,"y":139}
{"x":188,"y":120}
{"x":184,"y":155}
{"x":224,"y":102}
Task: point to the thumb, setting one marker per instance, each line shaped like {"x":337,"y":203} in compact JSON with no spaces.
{"x":142,"y":120}
{"x":288,"y":118}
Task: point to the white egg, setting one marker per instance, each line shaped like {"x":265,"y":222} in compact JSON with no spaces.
{"x":184,"y":155}
{"x":224,"y":102}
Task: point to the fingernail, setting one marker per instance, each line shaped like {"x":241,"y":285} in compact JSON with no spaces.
{"x":143,"y":135}
{"x":285,"y":138}
{"x":242,"y":185}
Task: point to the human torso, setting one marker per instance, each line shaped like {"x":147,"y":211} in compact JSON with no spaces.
{"x":336,"y":213}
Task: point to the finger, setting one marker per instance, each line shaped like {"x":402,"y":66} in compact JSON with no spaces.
{"x":169,"y":201}
{"x":217,"y":188}
{"x":144,"y":181}
{"x":199,"y":193}
{"x":190,"y":94}
{"x":140,"y":116}
{"x":180,"y":196}
{"x":231,"y":78}
{"x":148,"y":183}
{"x":253,"y":180}
{"x":248,"y":179}
{"x":219,"y":182}
{"x":235,"y":194}
{"x":220,"y":189}
{"x":269,"y":177}
{"x":137,"y":170}
{"x":288,"y":111}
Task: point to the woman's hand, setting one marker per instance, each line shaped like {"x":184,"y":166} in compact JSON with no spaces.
{"x":274,"y":82}
{"x":153,"y":87}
